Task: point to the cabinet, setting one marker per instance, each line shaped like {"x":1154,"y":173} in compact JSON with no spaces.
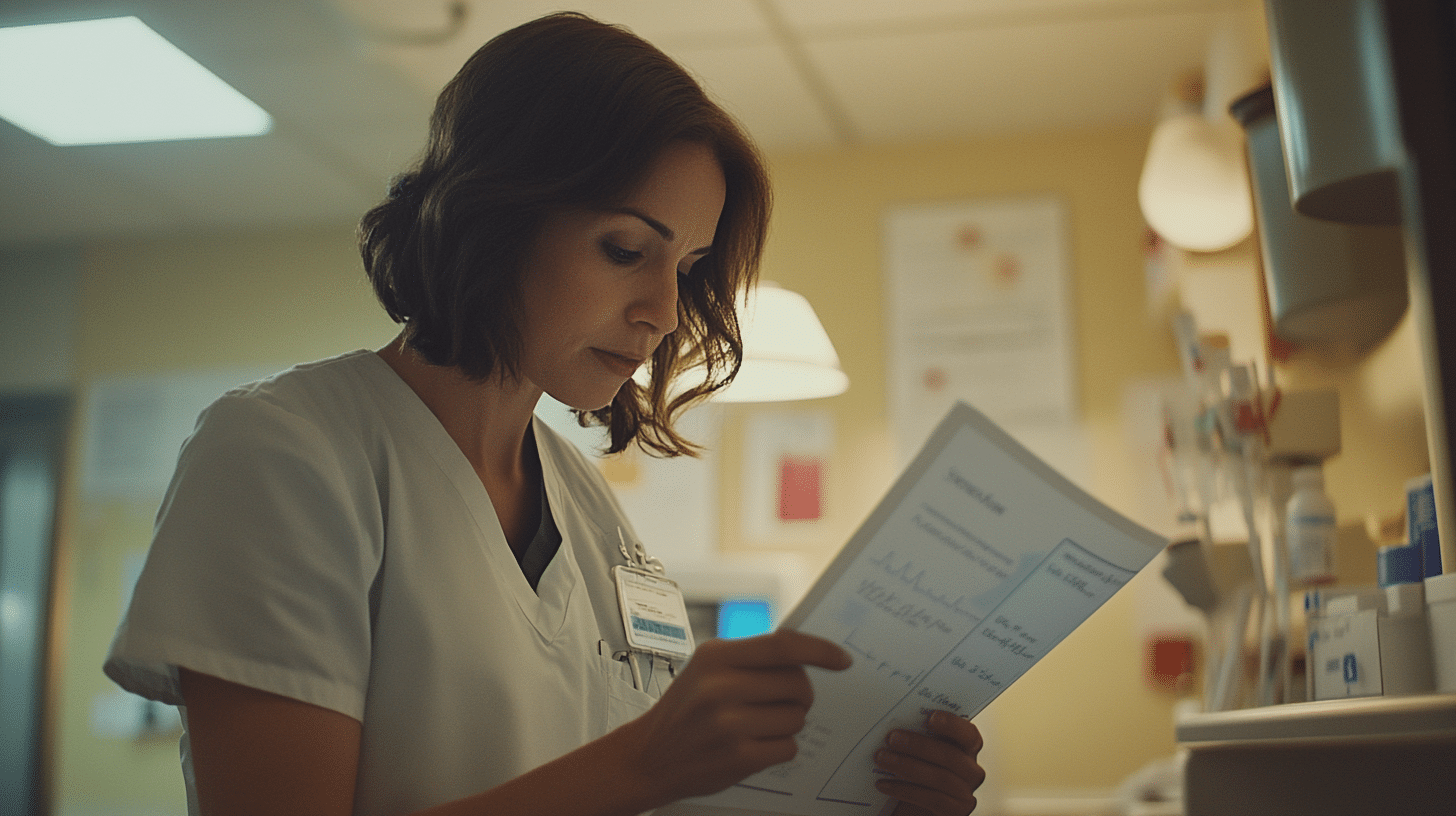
{"x":1375,"y":755}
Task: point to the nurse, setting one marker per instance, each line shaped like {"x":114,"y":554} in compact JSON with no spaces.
{"x":377,"y":586}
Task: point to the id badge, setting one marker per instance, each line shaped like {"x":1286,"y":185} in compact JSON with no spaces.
{"x":653,"y":613}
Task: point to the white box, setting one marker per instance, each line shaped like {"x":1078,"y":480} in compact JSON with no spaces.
{"x":1441,"y":615}
{"x":1345,"y":655}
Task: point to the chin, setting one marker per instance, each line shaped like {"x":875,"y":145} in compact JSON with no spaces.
{"x":585,"y":401}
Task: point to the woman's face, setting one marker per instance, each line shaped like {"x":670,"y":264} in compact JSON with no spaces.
{"x":600,"y":287}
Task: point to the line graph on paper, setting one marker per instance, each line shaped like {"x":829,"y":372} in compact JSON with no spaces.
{"x":978,"y":562}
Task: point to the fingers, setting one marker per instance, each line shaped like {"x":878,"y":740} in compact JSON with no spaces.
{"x":958,"y":730}
{"x":733,"y":711}
{"x":773,"y":721}
{"x":927,"y":763}
{"x":935,"y":772}
{"x":766,"y":669}
{"x":735,"y":686}
{"x":782,"y":648}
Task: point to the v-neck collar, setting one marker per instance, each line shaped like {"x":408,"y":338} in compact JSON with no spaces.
{"x":546,"y":606}
{"x":545,"y":542}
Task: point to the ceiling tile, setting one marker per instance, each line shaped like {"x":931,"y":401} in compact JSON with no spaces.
{"x":48,"y":196}
{"x":257,"y":30}
{"x":657,"y":21}
{"x":665,"y":23}
{"x":102,"y":190}
{"x":816,"y":17}
{"x":382,"y":154}
{"x":369,"y":113}
{"x":266,"y":180}
{"x":352,"y":99}
{"x":759,"y":86}
{"x":1010,"y":78}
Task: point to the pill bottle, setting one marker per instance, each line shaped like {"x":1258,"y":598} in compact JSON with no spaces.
{"x":1310,"y":529}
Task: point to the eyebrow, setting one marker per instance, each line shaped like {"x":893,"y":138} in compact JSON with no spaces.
{"x":660,"y":228}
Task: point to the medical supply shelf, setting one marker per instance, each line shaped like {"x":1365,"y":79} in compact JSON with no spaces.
{"x":1361,"y":719}
{"x":1371,"y":755}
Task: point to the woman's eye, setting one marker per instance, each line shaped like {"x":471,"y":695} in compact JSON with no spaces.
{"x":619,"y":255}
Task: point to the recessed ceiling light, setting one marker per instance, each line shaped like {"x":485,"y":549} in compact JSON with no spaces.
{"x":115,"y":80}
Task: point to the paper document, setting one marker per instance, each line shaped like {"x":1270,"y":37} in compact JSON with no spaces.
{"x":979,"y":560}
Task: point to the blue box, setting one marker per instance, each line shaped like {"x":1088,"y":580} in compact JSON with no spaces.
{"x":1420,"y":515}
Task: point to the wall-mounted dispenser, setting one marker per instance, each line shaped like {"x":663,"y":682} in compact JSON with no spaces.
{"x":1331,"y":286}
{"x":1337,"y":109}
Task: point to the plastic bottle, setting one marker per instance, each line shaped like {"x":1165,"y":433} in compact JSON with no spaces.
{"x":1310,"y":529}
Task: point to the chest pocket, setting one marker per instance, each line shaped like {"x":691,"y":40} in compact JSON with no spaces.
{"x":624,"y":702}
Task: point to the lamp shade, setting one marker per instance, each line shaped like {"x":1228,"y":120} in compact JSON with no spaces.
{"x":787,"y":354}
{"x":1194,"y":190}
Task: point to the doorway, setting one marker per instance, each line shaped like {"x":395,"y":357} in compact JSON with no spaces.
{"x":32,"y":448}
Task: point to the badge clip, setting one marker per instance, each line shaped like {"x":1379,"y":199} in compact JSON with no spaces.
{"x":637,"y":556}
{"x":654,"y":615}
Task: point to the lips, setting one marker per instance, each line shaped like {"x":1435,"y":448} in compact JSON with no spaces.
{"x":619,"y":364}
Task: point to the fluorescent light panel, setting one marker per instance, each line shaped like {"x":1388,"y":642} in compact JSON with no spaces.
{"x":115,"y":80}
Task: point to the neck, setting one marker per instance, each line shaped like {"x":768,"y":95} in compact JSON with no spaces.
{"x":488,"y":420}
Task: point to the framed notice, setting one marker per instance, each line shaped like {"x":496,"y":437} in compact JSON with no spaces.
{"x":977,"y":304}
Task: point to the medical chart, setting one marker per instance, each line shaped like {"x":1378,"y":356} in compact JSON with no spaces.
{"x":979,"y":561}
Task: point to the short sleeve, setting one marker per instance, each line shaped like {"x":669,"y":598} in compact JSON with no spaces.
{"x":261,"y":564}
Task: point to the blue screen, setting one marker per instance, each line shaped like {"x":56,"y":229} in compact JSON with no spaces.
{"x":737,"y":619}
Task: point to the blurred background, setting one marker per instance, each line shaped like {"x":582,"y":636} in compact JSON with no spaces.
{"x":139,"y":280}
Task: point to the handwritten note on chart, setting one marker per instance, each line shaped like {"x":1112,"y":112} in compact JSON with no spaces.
{"x":978,"y":562}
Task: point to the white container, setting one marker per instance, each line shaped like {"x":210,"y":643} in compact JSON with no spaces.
{"x":1441,"y":615}
{"x":1405,"y":642}
{"x":1369,"y":641}
{"x":1310,"y":529}
{"x":1344,"y":655}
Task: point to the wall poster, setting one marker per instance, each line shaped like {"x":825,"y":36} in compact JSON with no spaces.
{"x":978,"y":309}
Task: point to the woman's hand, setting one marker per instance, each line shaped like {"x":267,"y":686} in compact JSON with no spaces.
{"x":733,"y":711}
{"x":933,"y":774}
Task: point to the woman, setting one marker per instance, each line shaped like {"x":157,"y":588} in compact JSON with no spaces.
{"x":378,"y":587}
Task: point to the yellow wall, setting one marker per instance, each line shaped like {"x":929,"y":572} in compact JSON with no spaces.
{"x":826,"y":244}
{"x":177,"y":305}
{"x":224,"y":301}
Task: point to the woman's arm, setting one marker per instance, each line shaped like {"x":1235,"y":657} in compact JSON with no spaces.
{"x":256,"y":752}
{"x":733,"y":711}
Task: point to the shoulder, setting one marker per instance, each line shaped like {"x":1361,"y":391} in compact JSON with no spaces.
{"x":274,"y":485}
{"x":303,"y":404}
{"x":317,"y":423}
{"x":321,"y":390}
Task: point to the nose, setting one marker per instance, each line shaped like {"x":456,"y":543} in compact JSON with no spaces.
{"x":655,"y":303}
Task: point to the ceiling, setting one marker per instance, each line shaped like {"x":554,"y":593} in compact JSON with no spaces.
{"x":350,"y":85}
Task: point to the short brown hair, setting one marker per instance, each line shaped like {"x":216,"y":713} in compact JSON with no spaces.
{"x":562,"y":112}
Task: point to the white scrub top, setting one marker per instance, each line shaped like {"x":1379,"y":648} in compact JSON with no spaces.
{"x":325,"y":539}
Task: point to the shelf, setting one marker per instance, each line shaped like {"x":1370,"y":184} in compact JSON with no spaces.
{"x":1329,"y":758}
{"x":1418,"y":718}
